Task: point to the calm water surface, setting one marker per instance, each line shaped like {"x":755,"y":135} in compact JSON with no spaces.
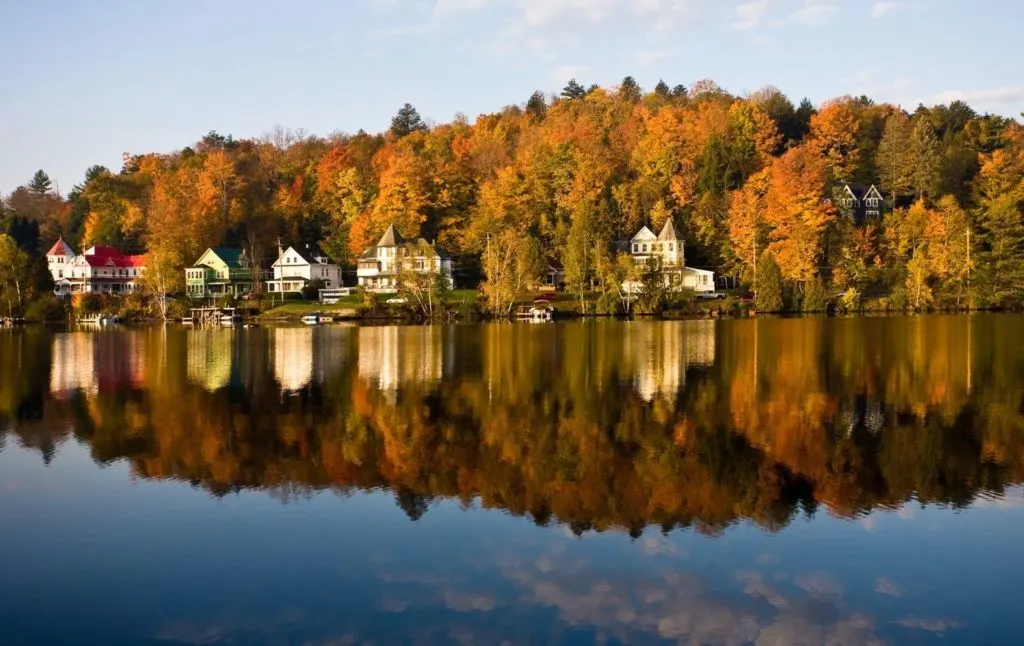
{"x":769,"y":482}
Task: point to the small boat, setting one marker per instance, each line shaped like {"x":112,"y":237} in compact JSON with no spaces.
{"x":316,"y":318}
{"x":99,"y":319}
{"x":230,"y":320}
{"x":535,"y":314}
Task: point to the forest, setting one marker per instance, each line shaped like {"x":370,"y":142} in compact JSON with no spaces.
{"x":750,"y":181}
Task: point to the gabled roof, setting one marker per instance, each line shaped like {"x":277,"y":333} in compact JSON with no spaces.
{"x":391,"y":237}
{"x":60,"y":248}
{"x":668,"y":232}
{"x":229,"y":255}
{"x":873,"y":192}
{"x":308,"y":252}
{"x":855,"y":189}
{"x":103,"y":251}
{"x":555,"y":264}
{"x":644,"y":234}
{"x":438,"y":251}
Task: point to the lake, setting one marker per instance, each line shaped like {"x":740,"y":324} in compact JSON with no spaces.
{"x":778,"y":481}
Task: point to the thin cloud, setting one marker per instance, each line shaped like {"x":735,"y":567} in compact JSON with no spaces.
{"x":879,"y":9}
{"x":884,"y":585}
{"x":563,"y":73}
{"x":648,"y":58}
{"x":815,"y":12}
{"x":937,"y":626}
{"x":1005,"y":94}
{"x":750,"y":14}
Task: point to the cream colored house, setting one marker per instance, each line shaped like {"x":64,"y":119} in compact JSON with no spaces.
{"x":379,"y":267}
{"x":668,"y":248}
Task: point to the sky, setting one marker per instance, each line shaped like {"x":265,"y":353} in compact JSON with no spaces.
{"x":83,"y":82}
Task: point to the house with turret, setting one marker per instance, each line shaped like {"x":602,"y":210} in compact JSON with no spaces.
{"x":380,"y":268}
{"x":667,"y":248}
{"x":98,"y":270}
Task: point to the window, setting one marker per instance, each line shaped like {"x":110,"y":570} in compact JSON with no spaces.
{"x":644,"y":247}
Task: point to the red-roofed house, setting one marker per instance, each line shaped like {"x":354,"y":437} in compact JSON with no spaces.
{"x":100,"y":270}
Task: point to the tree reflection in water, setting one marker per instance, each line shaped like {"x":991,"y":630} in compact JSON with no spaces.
{"x":601,"y":425}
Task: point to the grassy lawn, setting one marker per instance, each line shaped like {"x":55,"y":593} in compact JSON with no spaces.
{"x":301,"y":308}
{"x":464,"y":296}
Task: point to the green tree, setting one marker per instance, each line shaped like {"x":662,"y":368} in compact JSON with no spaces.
{"x":815,"y":296}
{"x":537,"y":105}
{"x":927,"y":158}
{"x":40,"y":183}
{"x":768,"y":285}
{"x":1001,"y":265}
{"x":662,"y":89}
{"x":630,"y":90}
{"x":14,"y":274}
{"x":406,"y":122}
{"x":653,"y":293}
{"x":573,"y":90}
{"x":894,"y":158}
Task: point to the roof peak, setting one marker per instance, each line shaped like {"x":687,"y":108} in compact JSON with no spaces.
{"x":391,"y":237}
{"x":668,"y":231}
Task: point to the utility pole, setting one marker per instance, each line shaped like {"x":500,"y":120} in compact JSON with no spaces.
{"x":754,"y":258}
{"x":280,"y":283}
{"x":968,"y":267}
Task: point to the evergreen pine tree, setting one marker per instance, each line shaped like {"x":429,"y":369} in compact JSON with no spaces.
{"x":40,"y":184}
{"x":406,"y":122}
{"x":630,"y":90}
{"x":769,"y":285}
{"x":573,"y":90}
{"x":927,"y":159}
{"x":537,"y":106}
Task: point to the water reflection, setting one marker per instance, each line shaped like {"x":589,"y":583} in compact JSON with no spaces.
{"x":684,"y":424}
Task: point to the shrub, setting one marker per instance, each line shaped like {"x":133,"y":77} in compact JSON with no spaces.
{"x":849,"y":302}
{"x":769,"y":285}
{"x":898,"y":299}
{"x":609,"y":303}
{"x":88,"y":304}
{"x":46,"y":308}
{"x":311,"y":291}
{"x":815,"y":297}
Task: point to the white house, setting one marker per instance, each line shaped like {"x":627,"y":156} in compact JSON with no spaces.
{"x":668,"y":248}
{"x":100,"y":270}
{"x":379,"y":267}
{"x":298,"y":266}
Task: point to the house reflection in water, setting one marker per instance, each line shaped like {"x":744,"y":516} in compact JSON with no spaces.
{"x":392,"y":356}
{"x":211,"y":357}
{"x":660,"y":353}
{"x":304,"y":356}
{"x":94,"y":361}
{"x":71,"y":364}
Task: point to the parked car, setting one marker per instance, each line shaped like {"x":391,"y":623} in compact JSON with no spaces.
{"x":397,"y":300}
{"x":711,"y":296}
